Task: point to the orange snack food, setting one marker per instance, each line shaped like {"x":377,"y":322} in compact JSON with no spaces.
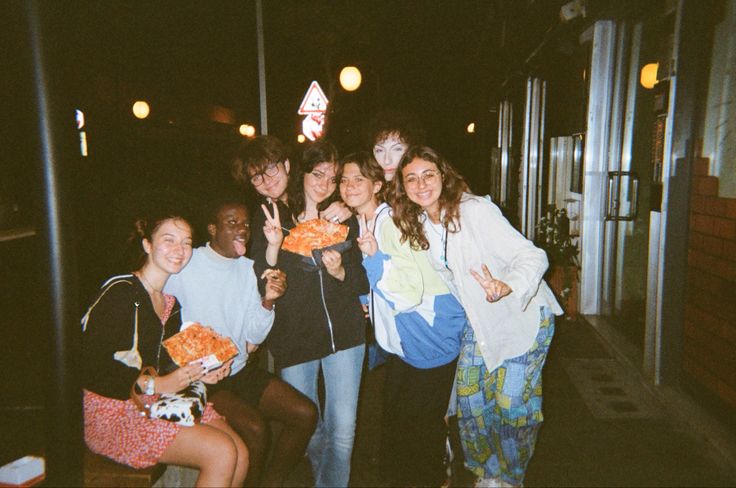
{"x":314,"y":234}
{"x":198,"y":341}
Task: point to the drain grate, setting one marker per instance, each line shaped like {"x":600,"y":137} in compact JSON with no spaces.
{"x":609,"y":390}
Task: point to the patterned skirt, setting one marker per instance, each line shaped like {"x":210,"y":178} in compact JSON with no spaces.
{"x":115,"y":429}
{"x":500,"y":411}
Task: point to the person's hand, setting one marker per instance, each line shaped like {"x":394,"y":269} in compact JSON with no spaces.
{"x":337,"y":212}
{"x":275,"y":284}
{"x":272,"y":228}
{"x":495,"y":289}
{"x":333,"y":263}
{"x":367,"y":241}
{"x":180,"y":378}
{"x":219,"y":374}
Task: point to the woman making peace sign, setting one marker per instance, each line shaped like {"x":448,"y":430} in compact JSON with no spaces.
{"x":498,"y":276}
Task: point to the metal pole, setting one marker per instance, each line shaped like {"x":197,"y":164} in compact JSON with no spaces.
{"x":261,"y":67}
{"x":56,"y":149}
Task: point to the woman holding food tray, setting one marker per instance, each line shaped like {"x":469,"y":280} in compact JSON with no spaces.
{"x":319,"y":324}
{"x":123,"y":331}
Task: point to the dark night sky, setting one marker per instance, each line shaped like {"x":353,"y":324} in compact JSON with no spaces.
{"x":431,"y":58}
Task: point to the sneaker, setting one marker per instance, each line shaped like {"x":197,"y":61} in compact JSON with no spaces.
{"x":491,"y":483}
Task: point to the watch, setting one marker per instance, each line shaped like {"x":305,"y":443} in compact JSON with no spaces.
{"x":150,"y":386}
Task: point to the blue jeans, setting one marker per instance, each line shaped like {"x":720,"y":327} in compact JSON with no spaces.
{"x":331,"y":446}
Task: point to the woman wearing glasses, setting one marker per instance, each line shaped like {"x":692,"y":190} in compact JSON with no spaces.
{"x":417,"y":320}
{"x":319,"y":324}
{"x":498,"y":276}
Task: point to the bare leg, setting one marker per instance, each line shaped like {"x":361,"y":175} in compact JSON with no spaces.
{"x":218,"y":453}
{"x":297,"y":413}
{"x":249,"y":423}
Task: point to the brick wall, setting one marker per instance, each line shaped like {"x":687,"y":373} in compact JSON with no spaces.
{"x":709,"y":345}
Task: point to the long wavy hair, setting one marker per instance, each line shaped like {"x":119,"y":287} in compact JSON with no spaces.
{"x":315,"y":153}
{"x":408,"y":216}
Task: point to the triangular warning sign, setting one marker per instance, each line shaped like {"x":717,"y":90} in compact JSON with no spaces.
{"x":314,"y":101}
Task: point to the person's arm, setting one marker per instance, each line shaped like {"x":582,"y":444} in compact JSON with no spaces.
{"x":259,"y":316}
{"x":393,"y":272}
{"x":108,"y":328}
{"x":522,"y":263}
{"x":355,"y":275}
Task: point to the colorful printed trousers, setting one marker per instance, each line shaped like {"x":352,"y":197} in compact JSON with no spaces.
{"x":500,"y":412}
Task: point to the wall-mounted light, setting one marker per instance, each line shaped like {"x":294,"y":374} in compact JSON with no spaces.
{"x":648,"y":76}
{"x":471,"y":128}
{"x":247,"y":130}
{"x":141,"y":109}
{"x":350,"y":78}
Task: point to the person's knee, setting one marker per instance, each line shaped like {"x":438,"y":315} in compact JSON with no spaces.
{"x":223,"y":453}
{"x":304,"y":415}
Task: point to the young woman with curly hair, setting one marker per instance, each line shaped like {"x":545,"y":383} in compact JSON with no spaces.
{"x":497,"y":274}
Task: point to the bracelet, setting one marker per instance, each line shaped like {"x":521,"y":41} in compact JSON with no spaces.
{"x":263,"y":304}
{"x":150,"y":385}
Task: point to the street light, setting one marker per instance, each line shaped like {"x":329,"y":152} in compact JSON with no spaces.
{"x":247,"y":130}
{"x":350,"y":78}
{"x":649,"y":75}
{"x":141,"y":109}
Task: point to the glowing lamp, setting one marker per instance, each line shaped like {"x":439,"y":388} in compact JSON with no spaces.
{"x":350,"y":78}
{"x":141,"y":109}
{"x":649,"y":75}
{"x":300,"y":138}
{"x":471,"y":128}
{"x":247,"y":130}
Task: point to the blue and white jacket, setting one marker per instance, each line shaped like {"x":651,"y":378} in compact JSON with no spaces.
{"x":414,"y":314}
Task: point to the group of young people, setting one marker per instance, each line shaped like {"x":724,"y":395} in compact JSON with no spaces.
{"x":454,"y":293}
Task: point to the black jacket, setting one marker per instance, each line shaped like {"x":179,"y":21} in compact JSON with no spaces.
{"x":318,"y":315}
{"x":109,"y":326}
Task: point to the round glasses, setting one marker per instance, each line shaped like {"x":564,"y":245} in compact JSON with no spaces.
{"x":271,"y":170}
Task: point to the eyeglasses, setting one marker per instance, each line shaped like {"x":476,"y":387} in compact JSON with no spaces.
{"x":428,"y":178}
{"x":271,"y":170}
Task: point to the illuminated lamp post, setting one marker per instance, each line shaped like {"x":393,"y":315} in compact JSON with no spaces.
{"x":247,"y":130}
{"x":350,"y":78}
{"x":648,"y":76}
{"x":141,"y":109}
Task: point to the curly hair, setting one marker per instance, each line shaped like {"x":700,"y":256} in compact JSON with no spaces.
{"x":387,"y":122}
{"x":315,"y":153}
{"x":368,"y":167}
{"x":408,"y":216}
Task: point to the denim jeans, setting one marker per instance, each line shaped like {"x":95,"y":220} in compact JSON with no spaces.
{"x":331,"y":446}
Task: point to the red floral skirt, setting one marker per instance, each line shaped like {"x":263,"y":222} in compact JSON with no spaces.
{"x":116,"y":429}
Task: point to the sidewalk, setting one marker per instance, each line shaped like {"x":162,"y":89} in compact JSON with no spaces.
{"x":603,"y":427}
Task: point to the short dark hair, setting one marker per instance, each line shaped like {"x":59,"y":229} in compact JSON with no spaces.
{"x":218,"y":203}
{"x":257,"y":154}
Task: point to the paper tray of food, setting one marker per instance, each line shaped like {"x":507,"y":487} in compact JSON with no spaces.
{"x":196,"y":342}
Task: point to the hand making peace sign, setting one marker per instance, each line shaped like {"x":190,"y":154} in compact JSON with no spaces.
{"x":495,"y":289}
{"x":272,"y":228}
{"x":367,"y":241}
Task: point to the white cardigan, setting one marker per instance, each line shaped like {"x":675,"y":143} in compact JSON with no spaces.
{"x":506,"y":328}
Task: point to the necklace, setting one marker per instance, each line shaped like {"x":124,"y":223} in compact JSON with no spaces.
{"x":143,"y":277}
{"x":442,"y":234}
